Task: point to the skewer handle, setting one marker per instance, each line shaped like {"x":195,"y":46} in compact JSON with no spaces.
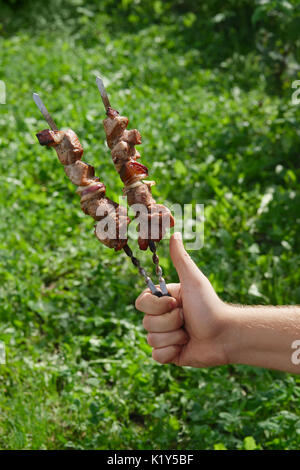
{"x":160,"y":294}
{"x":142,"y":271}
{"x":162,"y":282}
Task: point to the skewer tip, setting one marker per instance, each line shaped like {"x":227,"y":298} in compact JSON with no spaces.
{"x":35,"y":97}
{"x":103,"y":93}
{"x":44,"y":111}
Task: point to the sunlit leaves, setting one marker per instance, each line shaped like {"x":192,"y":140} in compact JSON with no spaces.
{"x":79,"y":371}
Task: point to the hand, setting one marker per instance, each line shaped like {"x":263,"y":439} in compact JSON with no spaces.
{"x":190,"y":328}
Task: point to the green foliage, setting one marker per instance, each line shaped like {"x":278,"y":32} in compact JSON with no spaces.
{"x":79,"y":372}
{"x":270,"y":27}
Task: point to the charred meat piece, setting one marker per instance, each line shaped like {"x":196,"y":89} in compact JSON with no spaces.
{"x":133,"y":137}
{"x":112,"y":229}
{"x":123,"y":152}
{"x":140,"y":195}
{"x":114,"y":128}
{"x":132,"y":171}
{"x":112,"y":113}
{"x":66,"y":144}
{"x":50,"y":138}
{"x":98,"y":208}
{"x":153,"y":225}
{"x":92,"y":191}
{"x":80,"y":173}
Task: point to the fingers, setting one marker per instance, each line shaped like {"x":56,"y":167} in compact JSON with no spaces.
{"x":168,"y":354}
{"x":161,"y":340}
{"x":185,"y":266}
{"x":169,"y":321}
{"x":149,"y":303}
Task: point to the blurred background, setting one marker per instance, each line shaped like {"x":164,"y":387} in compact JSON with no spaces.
{"x":209,"y":86}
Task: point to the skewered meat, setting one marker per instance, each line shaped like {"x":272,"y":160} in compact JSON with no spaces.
{"x":153,"y":222}
{"x":66,"y":144}
{"x":132,"y":171}
{"x":80,"y":173}
{"x":91,"y":190}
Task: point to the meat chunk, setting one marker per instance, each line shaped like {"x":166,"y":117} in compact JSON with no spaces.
{"x":106,"y":239}
{"x":132,"y":172}
{"x":132,"y":137}
{"x":91,"y":206}
{"x":114,"y":128}
{"x":99,"y":207}
{"x":80,"y":173}
{"x":111,"y":229}
{"x":153,"y":225}
{"x":122,"y":152}
{"x":69,"y":150}
{"x":66,"y":144}
{"x":140,"y":195}
{"x":50,"y":138}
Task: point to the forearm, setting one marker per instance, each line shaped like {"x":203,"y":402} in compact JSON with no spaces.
{"x":263,"y":336}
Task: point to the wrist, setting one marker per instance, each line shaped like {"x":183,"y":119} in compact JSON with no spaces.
{"x":232,"y":337}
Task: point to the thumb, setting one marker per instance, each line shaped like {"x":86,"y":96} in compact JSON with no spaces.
{"x":185,"y":266}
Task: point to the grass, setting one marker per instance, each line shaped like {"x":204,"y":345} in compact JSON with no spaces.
{"x":79,"y":372}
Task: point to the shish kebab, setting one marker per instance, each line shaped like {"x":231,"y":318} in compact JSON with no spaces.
{"x":91,"y":190}
{"x":138,"y":190}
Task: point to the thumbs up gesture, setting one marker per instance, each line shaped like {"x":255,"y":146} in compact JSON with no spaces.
{"x":191,"y":328}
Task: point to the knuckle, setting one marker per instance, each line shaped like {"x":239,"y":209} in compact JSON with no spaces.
{"x":146,"y":324}
{"x":137,"y":303}
{"x":139,"y":300}
{"x":150,"y":339}
{"x":156,"y":355}
{"x":177,"y":315}
{"x":163,"y":360}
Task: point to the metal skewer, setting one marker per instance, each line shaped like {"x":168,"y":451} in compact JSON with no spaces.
{"x":142,"y":271}
{"x":158,"y":269}
{"x":103,"y":93}
{"x":44,"y":112}
{"x":152,"y":246}
{"x":126,"y":248}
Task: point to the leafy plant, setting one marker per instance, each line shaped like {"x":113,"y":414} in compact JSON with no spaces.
{"x":79,"y":372}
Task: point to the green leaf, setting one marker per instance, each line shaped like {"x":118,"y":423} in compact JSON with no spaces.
{"x":220,"y":446}
{"x":179,"y":168}
{"x":249,"y":443}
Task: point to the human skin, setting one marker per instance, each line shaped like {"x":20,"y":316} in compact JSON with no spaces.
{"x":196,"y":328}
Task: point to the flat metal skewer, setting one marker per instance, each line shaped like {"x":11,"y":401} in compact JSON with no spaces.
{"x":142,"y":271}
{"x":44,"y":111}
{"x":158,"y":269}
{"x":103,"y":93}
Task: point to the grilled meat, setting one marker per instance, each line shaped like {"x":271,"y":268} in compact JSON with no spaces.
{"x":66,"y":144}
{"x":122,"y":144}
{"x":90,"y":189}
